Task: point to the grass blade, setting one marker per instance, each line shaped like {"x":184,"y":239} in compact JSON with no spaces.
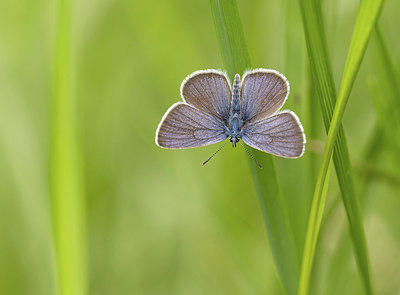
{"x":386,"y":101}
{"x":236,"y":60}
{"x":230,"y":34}
{"x":322,"y":73}
{"x":65,"y":173}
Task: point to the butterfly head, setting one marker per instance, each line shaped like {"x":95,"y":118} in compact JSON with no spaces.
{"x":234,"y":140}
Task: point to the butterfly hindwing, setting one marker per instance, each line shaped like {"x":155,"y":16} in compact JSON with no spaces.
{"x":183,"y":126}
{"x":281,"y":135}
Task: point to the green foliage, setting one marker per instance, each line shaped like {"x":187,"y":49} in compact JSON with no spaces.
{"x":90,"y":205}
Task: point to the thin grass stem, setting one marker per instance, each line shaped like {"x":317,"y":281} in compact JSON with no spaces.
{"x":280,"y":234}
{"x":66,"y":185}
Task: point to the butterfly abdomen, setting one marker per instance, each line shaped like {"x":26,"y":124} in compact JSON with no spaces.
{"x":235,"y":103}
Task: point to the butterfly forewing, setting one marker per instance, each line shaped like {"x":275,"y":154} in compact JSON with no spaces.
{"x":209,"y":91}
{"x":263,"y":93}
{"x":281,"y":135}
{"x":183,"y":126}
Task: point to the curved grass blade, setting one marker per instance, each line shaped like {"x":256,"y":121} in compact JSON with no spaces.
{"x":65,"y":172}
{"x":236,"y":60}
{"x":322,"y":74}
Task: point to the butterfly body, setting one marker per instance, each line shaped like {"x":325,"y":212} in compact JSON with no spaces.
{"x":235,"y":122}
{"x":212,"y":110}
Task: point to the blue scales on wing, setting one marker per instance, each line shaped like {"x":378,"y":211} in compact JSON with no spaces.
{"x":184,"y":126}
{"x":209,"y":91}
{"x":263,"y":93}
{"x":281,"y":135}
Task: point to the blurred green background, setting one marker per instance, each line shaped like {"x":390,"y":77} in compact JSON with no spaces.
{"x":158,"y":222}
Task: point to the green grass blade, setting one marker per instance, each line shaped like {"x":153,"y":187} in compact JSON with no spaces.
{"x":367,"y":17}
{"x":324,"y":89}
{"x":230,"y":34}
{"x":314,"y":225}
{"x":387,"y":100}
{"x":236,"y":60}
{"x":311,"y":125}
{"x":65,"y":171}
{"x":322,"y":74}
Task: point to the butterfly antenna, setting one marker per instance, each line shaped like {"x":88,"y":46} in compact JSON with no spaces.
{"x":259,"y":166}
{"x":215,"y":153}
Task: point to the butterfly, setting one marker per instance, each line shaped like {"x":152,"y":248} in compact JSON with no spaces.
{"x":214,"y":110}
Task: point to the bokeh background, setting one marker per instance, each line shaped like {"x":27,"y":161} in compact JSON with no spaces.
{"x":156,"y":221}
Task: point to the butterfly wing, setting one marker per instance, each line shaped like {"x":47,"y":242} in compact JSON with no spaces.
{"x":183,"y":126}
{"x":209,"y":91}
{"x":263,"y":93}
{"x":281,"y":135}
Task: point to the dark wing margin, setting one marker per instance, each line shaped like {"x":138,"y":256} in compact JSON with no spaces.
{"x":183,"y":126}
{"x":281,"y":135}
{"x":209,"y":91}
{"x":263,"y":93}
